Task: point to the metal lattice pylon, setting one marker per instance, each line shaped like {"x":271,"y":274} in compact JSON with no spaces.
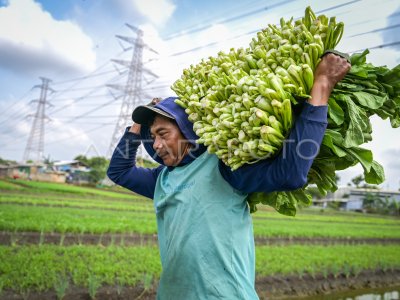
{"x":34,"y":149}
{"x":132,"y":90}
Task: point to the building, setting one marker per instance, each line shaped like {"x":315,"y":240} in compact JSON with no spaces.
{"x":77,"y":171}
{"x":32,"y":171}
{"x":351,"y":198}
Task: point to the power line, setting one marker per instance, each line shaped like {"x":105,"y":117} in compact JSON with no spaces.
{"x":80,"y":134}
{"x":376,"y":30}
{"x":212,"y":19}
{"x":87,"y":97}
{"x":85,"y":88}
{"x":14,"y":103}
{"x":379,"y":46}
{"x":79,"y":99}
{"x":75,"y":84}
{"x":89,"y":117}
{"x":249,"y":32}
{"x":231,"y":19}
{"x":84,"y":77}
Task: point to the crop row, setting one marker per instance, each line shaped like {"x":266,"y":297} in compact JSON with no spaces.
{"x":45,"y":187}
{"x":30,"y":192}
{"x":79,"y":203}
{"x":56,"y":219}
{"x":41,"y":267}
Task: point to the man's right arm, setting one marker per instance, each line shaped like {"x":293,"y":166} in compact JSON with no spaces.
{"x":123,"y":170}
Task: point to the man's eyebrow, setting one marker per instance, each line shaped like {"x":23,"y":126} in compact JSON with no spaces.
{"x":158,"y":129}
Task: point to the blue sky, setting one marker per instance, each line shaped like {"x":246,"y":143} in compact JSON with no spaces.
{"x":72,"y":41}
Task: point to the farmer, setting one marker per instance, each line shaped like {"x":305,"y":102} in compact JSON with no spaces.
{"x":205,"y":230}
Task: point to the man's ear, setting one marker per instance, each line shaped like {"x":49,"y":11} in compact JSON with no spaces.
{"x":155,"y":101}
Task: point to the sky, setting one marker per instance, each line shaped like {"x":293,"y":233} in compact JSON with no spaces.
{"x":73,"y":42}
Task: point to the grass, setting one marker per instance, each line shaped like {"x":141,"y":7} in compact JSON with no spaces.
{"x":60,"y":201}
{"x":6,"y":185}
{"x":14,"y":217}
{"x":62,"y":219}
{"x":302,"y":228}
{"x":41,"y":267}
{"x":298,"y":259}
{"x":44,"y":187}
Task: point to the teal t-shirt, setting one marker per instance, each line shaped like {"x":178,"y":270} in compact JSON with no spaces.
{"x":205,"y":235}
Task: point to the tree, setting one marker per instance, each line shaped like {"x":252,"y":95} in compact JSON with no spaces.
{"x":6,"y":161}
{"x":374,"y":203}
{"x":82,"y":158}
{"x":48,"y":161}
{"x":358,"y":180}
{"x":98,"y":167}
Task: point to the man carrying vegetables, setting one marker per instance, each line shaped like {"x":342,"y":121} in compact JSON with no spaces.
{"x":205,"y":230}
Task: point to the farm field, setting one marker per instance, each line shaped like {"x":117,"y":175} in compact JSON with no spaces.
{"x":59,"y":240}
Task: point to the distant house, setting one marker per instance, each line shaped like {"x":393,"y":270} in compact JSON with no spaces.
{"x":351,"y":198}
{"x":5,"y":171}
{"x":77,"y":171}
{"x":32,"y":171}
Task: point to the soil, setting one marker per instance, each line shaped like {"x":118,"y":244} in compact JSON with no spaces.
{"x":293,"y":287}
{"x":68,"y":239}
{"x":123,"y":239}
{"x":272,"y":287}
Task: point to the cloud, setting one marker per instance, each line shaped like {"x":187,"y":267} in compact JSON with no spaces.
{"x":157,"y":11}
{"x":32,"y":41}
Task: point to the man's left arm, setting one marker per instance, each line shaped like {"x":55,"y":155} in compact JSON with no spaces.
{"x":288,"y":171}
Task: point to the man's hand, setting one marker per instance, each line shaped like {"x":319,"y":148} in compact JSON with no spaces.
{"x":330,"y":71}
{"x":135,"y":128}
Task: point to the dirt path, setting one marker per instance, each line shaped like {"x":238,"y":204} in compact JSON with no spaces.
{"x":272,"y":287}
{"x":29,"y":238}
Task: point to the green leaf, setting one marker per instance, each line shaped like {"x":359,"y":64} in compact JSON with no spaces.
{"x":358,"y":123}
{"x":392,"y":77}
{"x":335,"y":112}
{"x":348,"y":86}
{"x":359,"y":58}
{"x":336,"y":136}
{"x":359,"y":71}
{"x":345,"y":162}
{"x":328,"y":141}
{"x":376,"y":175}
{"x":301,"y":195}
{"x":284,"y":204}
{"x":395,"y":122}
{"x":279,"y":201}
{"x":364,"y":156}
{"x":369,"y":100}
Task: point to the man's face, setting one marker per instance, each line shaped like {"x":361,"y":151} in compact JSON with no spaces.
{"x":169,"y":143}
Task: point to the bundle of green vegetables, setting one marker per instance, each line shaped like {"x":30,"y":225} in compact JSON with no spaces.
{"x":242,"y":102}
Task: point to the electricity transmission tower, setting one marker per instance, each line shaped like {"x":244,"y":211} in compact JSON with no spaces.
{"x":132,"y":92}
{"x":35,"y":146}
